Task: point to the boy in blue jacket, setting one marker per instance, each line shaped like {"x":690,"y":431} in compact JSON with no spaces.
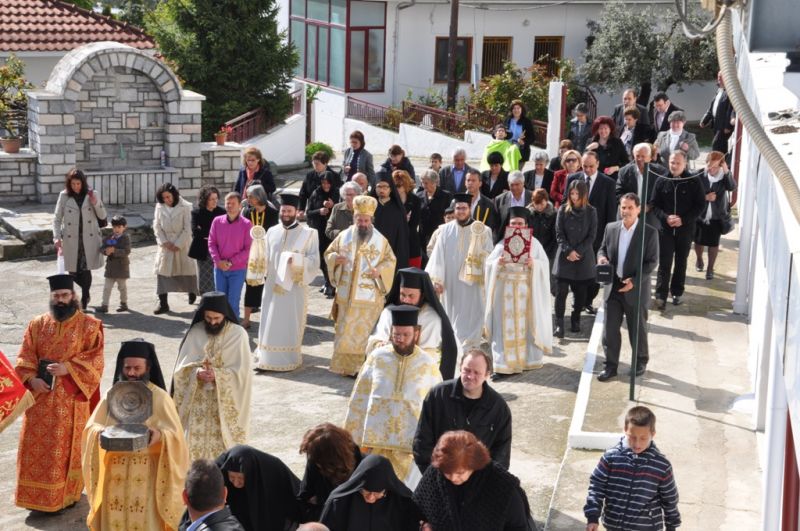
{"x":633,"y":486}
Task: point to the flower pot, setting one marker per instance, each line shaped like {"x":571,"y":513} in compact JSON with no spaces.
{"x":11,"y":145}
{"x":221,"y":138}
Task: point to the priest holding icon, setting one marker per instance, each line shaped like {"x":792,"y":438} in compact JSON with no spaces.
{"x":292,"y":260}
{"x":517,"y":317}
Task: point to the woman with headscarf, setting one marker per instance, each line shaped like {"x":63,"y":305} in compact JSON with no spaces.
{"x":332,"y":456}
{"x":261,"y":489}
{"x":390,"y":217}
{"x":261,"y":211}
{"x":318,"y":210}
{"x":464,"y":490}
{"x":373,"y":499}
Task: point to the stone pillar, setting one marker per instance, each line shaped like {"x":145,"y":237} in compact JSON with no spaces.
{"x":221,"y":165}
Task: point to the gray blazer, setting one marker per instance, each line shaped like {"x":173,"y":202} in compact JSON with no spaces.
{"x":503,"y":202}
{"x":630,"y":269}
{"x":365,"y":164}
{"x":662,"y":144}
{"x":71,"y":221}
{"x":447,"y":181}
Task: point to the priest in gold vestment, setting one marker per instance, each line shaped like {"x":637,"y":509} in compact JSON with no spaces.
{"x":211,"y":385}
{"x":387,"y":397}
{"x":141,"y":490}
{"x":49,"y":455}
{"x":361,"y":267}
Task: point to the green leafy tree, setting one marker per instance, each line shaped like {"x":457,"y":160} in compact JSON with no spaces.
{"x":13,"y":101}
{"x":228,"y":50}
{"x":645,"y":48}
{"x":531,"y":85}
{"x":133,"y":11}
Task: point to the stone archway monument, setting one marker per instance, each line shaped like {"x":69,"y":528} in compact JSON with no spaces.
{"x":111,"y":110}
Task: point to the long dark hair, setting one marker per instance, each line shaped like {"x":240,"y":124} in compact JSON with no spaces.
{"x":76,"y":175}
{"x":168,"y":187}
{"x":204,"y":194}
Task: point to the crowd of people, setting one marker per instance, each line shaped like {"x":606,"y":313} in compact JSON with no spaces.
{"x":440,"y":281}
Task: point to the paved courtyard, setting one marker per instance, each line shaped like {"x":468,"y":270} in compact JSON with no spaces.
{"x":284,"y":404}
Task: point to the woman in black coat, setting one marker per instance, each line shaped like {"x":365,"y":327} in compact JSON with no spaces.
{"x":520,"y":130}
{"x":413,"y":204}
{"x":611,"y":154}
{"x":318,"y":210}
{"x":716,"y":218}
{"x":207,"y":209}
{"x":319,"y":161}
{"x":433,"y":202}
{"x":254,"y":171}
{"x":574,"y":265}
{"x":464,"y":490}
{"x":397,"y":161}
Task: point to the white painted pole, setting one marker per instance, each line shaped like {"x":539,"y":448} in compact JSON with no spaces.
{"x":776,"y":442}
{"x":554,"y":118}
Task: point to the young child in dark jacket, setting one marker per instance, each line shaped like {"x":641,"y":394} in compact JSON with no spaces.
{"x":117,"y":249}
{"x":633,"y":486}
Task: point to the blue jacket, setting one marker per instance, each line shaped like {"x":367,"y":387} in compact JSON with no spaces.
{"x":633,"y":492}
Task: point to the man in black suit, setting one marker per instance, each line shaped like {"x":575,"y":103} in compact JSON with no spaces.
{"x":662,"y":108}
{"x":721,"y":116}
{"x":604,"y":200}
{"x":622,"y":245}
{"x":434,"y":201}
{"x":452,"y":176}
{"x":628,"y":100}
{"x":204,"y":495}
{"x":517,"y":195}
{"x":482,"y":208}
{"x":540,"y":176}
{"x":631,"y":178}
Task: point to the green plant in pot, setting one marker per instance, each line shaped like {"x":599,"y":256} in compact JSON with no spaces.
{"x":13,"y":103}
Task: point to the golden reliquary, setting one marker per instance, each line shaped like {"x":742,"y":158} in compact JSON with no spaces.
{"x":130,"y":404}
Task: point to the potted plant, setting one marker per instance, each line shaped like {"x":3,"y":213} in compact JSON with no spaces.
{"x":222,"y":135}
{"x":13,"y":103}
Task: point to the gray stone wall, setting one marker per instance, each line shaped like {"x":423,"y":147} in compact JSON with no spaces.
{"x":18,"y":176}
{"x":220,"y":166}
{"x":119,"y":121}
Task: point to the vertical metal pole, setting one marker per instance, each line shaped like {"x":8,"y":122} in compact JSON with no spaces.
{"x":452,"y":82}
{"x":640,"y":286}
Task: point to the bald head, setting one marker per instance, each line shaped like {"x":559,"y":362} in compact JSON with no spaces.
{"x":313,"y":526}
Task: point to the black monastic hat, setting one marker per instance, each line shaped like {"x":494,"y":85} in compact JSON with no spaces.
{"x":139,"y":348}
{"x":291,"y":200}
{"x":518,"y":212}
{"x":462,"y":198}
{"x":61,"y":281}
{"x":404,"y":315}
{"x":411,"y":277}
{"x":216,"y":301}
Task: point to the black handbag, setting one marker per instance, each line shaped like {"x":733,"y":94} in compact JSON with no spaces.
{"x":604,"y":273}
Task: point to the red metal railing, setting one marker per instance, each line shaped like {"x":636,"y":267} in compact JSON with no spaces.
{"x":539,"y":133}
{"x":434,"y":118}
{"x":255,"y":122}
{"x":369,"y":112}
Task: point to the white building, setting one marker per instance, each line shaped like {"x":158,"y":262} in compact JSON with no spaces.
{"x":380,"y":51}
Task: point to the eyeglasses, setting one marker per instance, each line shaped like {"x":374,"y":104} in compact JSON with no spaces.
{"x":571,"y":160}
{"x":381,"y":186}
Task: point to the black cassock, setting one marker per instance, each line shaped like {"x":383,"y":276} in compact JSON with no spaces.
{"x":390,"y":220}
{"x":346,"y":509}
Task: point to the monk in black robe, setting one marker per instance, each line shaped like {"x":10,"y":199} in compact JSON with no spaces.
{"x":390,"y":218}
{"x":373,"y":499}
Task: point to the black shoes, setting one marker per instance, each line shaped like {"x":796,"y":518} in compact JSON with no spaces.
{"x":661,"y":304}
{"x":710,"y":274}
{"x":575,"y":324}
{"x":192,"y":298}
{"x":606,"y":375}
{"x":123,"y":307}
{"x":329,"y":292}
{"x":698,"y":266}
{"x":163,"y":305}
{"x":640,"y":369}
{"x":676,"y":300}
{"x":591,"y":310}
{"x":559,"y":330}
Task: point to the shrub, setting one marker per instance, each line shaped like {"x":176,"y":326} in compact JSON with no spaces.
{"x":313,"y":147}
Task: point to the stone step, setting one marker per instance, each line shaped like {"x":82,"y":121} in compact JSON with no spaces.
{"x":11,"y":248}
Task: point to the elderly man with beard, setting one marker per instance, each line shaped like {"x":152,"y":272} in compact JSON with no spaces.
{"x":361,"y":266}
{"x":292,"y":263}
{"x":140,"y":489}
{"x":387,"y":397}
{"x":61,"y":362}
{"x":211,"y":385}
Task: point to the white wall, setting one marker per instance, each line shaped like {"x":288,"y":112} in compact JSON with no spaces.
{"x":37,"y":65}
{"x":284,"y":144}
{"x":327,"y":122}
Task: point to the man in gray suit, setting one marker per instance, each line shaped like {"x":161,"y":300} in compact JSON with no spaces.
{"x":453,"y":177}
{"x":629,"y":100}
{"x":621,"y":247}
{"x":516,"y":195}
